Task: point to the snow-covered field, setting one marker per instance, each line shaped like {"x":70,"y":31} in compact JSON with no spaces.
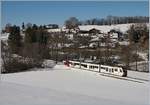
{"x":64,"y":86}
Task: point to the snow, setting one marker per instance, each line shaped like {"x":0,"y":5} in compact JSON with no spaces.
{"x":143,"y":55}
{"x":48,"y":63}
{"x":106,"y":28}
{"x":95,"y":39}
{"x":67,"y":86}
{"x":124,"y":43}
{"x":54,"y":30}
{"x":4,"y":37}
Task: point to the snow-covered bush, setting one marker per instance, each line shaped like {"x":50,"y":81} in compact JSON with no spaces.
{"x":48,"y":64}
{"x":14,"y":65}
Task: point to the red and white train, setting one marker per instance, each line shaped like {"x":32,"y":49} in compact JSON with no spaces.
{"x":118,"y":71}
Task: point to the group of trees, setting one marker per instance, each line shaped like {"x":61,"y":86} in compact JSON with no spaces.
{"x":72,"y":23}
{"x":28,"y":47}
{"x":35,"y":40}
{"x":15,"y":39}
{"x":11,"y":47}
{"x":109,"y":20}
{"x":139,"y":33}
{"x":25,"y":51}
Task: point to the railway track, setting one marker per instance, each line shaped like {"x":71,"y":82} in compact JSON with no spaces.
{"x":138,"y":79}
{"x":126,"y":78}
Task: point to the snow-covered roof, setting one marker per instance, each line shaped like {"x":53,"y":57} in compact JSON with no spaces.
{"x":114,"y":35}
{"x":4,"y":36}
{"x":54,"y":30}
{"x":95,"y":39}
{"x":124,"y":43}
{"x":106,"y":28}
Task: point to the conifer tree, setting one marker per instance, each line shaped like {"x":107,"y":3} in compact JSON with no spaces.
{"x":15,"y":39}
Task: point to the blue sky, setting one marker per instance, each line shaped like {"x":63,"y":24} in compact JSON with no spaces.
{"x":46,"y":12}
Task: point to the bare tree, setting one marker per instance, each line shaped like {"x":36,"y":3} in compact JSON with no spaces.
{"x":72,"y":23}
{"x":126,"y":55}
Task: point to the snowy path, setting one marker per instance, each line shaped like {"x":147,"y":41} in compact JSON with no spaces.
{"x":65,"y":86}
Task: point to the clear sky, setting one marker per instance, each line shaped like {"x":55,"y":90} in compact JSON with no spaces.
{"x":47,"y":12}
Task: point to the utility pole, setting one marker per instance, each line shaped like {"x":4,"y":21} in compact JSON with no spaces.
{"x":56,"y":50}
{"x":80,"y":59}
{"x":99,"y":56}
{"x":136,"y":57}
{"x":99,"y":64}
{"x":0,"y":63}
{"x":56,"y":55}
{"x":1,"y":69}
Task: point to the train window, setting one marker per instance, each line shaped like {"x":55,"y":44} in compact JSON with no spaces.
{"x":95,"y":67}
{"x":76,"y":63}
{"x":102,"y":67}
{"x":109,"y":70}
{"x":91,"y":67}
{"x":84,"y":65}
{"x":116,"y":69}
{"x":120,"y":70}
{"x":106,"y":69}
{"x":112,"y":70}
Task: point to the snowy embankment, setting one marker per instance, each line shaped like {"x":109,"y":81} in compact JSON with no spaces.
{"x":64,"y":86}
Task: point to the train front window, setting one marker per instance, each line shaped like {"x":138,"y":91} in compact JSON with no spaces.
{"x":120,"y":70}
